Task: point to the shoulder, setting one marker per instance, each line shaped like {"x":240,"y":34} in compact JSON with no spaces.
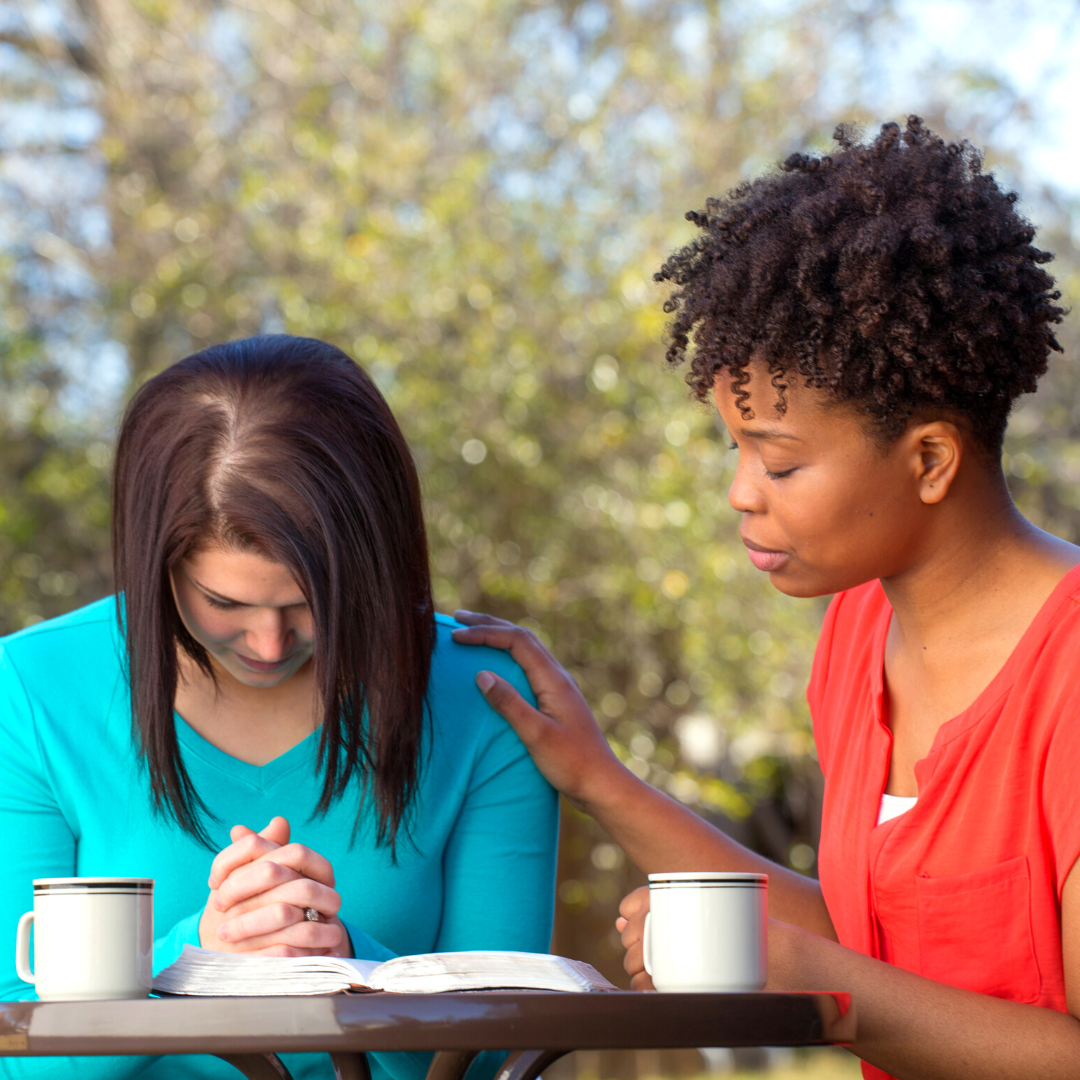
{"x":843,"y":660}
{"x":855,"y":610}
{"x":454,"y":667}
{"x":849,"y":631}
{"x":87,"y":621}
{"x":453,"y":696}
{"x":73,"y":653}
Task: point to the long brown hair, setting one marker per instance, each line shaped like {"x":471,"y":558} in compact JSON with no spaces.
{"x":281,"y":445}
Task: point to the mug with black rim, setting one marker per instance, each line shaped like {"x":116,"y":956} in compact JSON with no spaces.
{"x":707,"y":931}
{"x":93,"y":938}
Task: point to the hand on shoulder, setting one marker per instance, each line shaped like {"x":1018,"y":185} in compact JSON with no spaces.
{"x":561,"y":734}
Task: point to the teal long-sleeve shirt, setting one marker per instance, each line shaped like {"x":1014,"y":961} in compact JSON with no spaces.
{"x":74,"y":800}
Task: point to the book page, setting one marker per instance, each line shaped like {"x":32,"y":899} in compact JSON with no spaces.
{"x":441,"y":972}
{"x":207,"y":972}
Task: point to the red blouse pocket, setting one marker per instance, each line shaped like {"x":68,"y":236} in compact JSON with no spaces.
{"x":975,"y":931}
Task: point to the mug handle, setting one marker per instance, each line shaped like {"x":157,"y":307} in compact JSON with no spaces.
{"x":646,"y":950}
{"x":22,"y":948}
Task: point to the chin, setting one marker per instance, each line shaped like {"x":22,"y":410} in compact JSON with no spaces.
{"x":803,"y":586}
{"x":804,"y":583}
{"x":261,"y":681}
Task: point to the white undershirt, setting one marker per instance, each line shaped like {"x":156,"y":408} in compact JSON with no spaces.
{"x":895,"y":805}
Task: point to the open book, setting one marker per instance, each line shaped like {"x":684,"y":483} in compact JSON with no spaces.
{"x":203,"y":971}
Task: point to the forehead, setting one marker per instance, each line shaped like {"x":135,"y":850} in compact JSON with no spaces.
{"x":752,"y":408}
{"x":243,"y":575}
{"x":773,"y":400}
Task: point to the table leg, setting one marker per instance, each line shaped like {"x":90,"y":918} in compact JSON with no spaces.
{"x":258,"y":1066}
{"x":450,"y":1064}
{"x":528,"y":1064}
{"x":349,"y":1065}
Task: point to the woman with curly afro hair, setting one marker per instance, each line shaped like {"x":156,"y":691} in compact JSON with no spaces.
{"x":864,"y":323}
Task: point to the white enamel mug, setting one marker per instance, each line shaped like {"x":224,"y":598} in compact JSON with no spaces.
{"x":93,"y":938}
{"x":706,"y":931}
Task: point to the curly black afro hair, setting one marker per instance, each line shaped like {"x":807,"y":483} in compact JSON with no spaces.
{"x":896,"y":275}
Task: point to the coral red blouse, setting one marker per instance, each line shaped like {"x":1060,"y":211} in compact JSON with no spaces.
{"x":964,"y":888}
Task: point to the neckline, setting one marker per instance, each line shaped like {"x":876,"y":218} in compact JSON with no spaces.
{"x":257,"y":776}
{"x":998,"y":685}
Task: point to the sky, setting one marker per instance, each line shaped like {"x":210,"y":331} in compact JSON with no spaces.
{"x":1019,"y":90}
{"x":1034,"y":46}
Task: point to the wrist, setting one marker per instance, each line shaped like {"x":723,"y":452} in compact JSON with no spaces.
{"x":607,"y":789}
{"x":345,"y":947}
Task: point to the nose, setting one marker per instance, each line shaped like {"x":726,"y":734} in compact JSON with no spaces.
{"x":745,"y":495}
{"x":269,"y":635}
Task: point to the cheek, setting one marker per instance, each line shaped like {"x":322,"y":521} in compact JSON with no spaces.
{"x":856,"y":521}
{"x":303,"y":627}
{"x":210,"y":627}
{"x":838,"y":508}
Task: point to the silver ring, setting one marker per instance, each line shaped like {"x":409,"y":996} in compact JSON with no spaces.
{"x":312,"y":915}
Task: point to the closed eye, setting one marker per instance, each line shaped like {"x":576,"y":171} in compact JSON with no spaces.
{"x":779,"y":475}
{"x":222,"y":605}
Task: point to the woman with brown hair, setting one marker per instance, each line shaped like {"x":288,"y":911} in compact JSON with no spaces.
{"x":272,"y":655}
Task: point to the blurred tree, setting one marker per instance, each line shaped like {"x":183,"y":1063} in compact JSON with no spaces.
{"x":471,"y":198}
{"x":53,"y":460}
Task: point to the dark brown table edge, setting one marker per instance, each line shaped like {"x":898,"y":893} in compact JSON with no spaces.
{"x":458,"y":1026}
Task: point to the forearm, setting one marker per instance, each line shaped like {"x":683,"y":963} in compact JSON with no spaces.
{"x":660,"y":835}
{"x":918,"y":1029}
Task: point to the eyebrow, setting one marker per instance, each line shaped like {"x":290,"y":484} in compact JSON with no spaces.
{"x":216,"y":596}
{"x":767,"y":433}
{"x":228,"y":599}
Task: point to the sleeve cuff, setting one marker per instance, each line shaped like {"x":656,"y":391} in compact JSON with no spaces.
{"x":169,"y":947}
{"x":366,"y":947}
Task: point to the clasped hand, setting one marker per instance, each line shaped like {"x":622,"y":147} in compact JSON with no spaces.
{"x":260,"y":886}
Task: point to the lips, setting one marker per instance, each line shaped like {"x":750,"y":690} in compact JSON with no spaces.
{"x":261,"y":665}
{"x":765,"y":559}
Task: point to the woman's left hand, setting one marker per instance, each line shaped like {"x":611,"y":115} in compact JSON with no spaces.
{"x":261,"y":887}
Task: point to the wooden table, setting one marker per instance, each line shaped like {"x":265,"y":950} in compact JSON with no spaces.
{"x":537,"y":1028}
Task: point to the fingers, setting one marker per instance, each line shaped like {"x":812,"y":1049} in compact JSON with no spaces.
{"x":303,"y":860}
{"x":634,"y":961}
{"x":247,"y":846}
{"x":277,"y":832}
{"x":531,"y":655}
{"x":635,"y":903}
{"x":478,"y":618}
{"x":281,"y":866}
{"x":300,"y":892}
{"x":278,"y":908}
{"x":632,"y":933}
{"x":284,"y":925}
{"x":631,"y":927}
{"x":509,"y":704}
{"x":642,"y":981}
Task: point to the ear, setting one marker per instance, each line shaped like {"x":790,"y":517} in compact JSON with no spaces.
{"x":940,"y":449}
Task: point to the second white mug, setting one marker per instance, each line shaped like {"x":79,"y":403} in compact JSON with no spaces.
{"x":706,"y":931}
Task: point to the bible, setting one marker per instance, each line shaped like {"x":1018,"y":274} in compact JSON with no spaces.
{"x":209,"y":973}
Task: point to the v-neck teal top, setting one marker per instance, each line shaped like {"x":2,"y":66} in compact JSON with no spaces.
{"x":75,"y":801}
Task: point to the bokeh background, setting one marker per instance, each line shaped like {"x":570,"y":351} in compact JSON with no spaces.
{"x":470,"y":197}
